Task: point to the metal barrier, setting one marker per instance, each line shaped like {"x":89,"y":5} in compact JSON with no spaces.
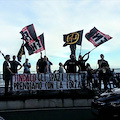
{"x":1,"y":81}
{"x":1,"y":76}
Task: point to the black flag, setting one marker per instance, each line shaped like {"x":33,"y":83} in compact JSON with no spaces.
{"x":96,"y":37}
{"x":35,"y":46}
{"x":21,"y":52}
{"x":28,"y":47}
{"x":28,"y":33}
{"x":41,"y":38}
{"x":73,"y":38}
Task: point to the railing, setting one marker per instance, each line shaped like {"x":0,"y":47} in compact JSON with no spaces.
{"x":1,"y":81}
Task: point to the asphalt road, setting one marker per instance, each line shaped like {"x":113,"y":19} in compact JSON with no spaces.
{"x":53,"y":114}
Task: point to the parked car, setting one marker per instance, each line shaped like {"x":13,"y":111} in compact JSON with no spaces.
{"x":1,"y":118}
{"x":107,"y":103}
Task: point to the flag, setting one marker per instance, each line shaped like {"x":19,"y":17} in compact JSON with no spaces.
{"x":28,"y":33}
{"x":96,"y":37}
{"x":73,"y":38}
{"x":28,"y":47}
{"x":21,"y":52}
{"x":35,"y":46}
{"x":41,"y":38}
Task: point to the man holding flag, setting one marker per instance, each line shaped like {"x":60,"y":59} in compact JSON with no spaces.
{"x":97,"y":38}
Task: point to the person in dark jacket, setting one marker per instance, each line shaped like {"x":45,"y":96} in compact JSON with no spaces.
{"x":71,"y":65}
{"x":7,"y":72}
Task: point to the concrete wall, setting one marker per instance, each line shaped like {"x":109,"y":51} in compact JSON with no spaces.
{"x":44,"y":103}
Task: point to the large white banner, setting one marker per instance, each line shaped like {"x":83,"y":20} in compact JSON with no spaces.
{"x":51,"y":81}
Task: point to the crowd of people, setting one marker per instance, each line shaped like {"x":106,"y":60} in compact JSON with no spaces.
{"x":10,"y":68}
{"x":72,"y":65}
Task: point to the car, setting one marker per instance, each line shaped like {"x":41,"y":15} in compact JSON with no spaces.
{"x":107,"y":103}
{"x":1,"y":118}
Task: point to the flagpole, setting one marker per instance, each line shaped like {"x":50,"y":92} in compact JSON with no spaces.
{"x":80,"y":49}
{"x":92,"y":49}
{"x":25,"y":55}
{"x":40,"y":54}
{"x":44,"y":44}
{"x":81,"y":45}
{"x":2,"y":54}
{"x":25,"y":51}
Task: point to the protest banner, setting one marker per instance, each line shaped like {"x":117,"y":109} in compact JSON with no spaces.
{"x":53,"y":81}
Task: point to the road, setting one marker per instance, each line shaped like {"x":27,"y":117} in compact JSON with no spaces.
{"x":53,"y":114}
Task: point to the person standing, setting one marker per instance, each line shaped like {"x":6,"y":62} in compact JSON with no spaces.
{"x":89,"y":74}
{"x":47,"y":67}
{"x":49,"y":63}
{"x":61,"y":68}
{"x":104,"y":70}
{"x":41,"y":65}
{"x":15,"y":64}
{"x":71,"y":65}
{"x":27,"y":67}
{"x":82,"y":61}
{"x":7,"y":72}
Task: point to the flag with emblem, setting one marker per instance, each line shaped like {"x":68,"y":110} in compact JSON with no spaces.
{"x":96,"y":37}
{"x":73,"y":38}
{"x":21,"y":52}
{"x":28,"y":33}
